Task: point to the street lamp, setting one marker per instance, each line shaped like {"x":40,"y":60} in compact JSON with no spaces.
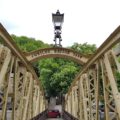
{"x":57,"y":20}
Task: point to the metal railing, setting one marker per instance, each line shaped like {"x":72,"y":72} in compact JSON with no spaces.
{"x":95,"y":92}
{"x":41,"y":116}
{"x":68,"y":116}
{"x":21,"y":93}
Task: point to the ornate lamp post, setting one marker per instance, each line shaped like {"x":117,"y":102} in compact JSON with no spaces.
{"x":57,"y":21}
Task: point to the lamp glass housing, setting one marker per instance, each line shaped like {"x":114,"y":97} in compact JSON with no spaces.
{"x":57,"y":19}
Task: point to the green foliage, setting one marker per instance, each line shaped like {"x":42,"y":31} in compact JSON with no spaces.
{"x":1,"y":40}
{"x":55,"y":74}
{"x":84,"y":48}
{"x":119,"y":59}
{"x":28,"y":44}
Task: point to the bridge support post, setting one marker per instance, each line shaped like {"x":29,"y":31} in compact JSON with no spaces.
{"x":5,"y":60}
{"x":5,"y":89}
{"x":69,"y":104}
{"x":37,"y":110}
{"x":27,"y":97}
{"x":112,"y":82}
{"x":76,"y":100}
{"x":16,"y":81}
{"x":79,"y":102}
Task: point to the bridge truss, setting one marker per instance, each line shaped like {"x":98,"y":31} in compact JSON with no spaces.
{"x":95,"y":92}
{"x":98,"y":84}
{"x":21,"y":92}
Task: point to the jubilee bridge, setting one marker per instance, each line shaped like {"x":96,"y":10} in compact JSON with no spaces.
{"x":98,"y":82}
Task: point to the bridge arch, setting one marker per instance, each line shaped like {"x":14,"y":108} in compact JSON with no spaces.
{"x":56,"y":52}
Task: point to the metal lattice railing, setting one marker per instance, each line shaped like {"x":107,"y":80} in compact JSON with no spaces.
{"x":95,"y":92}
{"x":68,"y":116}
{"x":21,"y":94}
{"x":41,"y":116}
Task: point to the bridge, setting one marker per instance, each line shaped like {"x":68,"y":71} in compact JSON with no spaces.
{"x":96,"y":83}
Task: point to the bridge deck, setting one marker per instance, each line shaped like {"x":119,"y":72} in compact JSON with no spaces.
{"x":54,"y":119}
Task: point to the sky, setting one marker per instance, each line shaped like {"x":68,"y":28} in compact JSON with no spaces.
{"x":90,"y":21}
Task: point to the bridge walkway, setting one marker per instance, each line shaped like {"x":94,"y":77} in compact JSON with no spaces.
{"x":93,"y":94}
{"x":54,"y":119}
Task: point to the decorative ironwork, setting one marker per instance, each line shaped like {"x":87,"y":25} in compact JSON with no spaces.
{"x":56,"y":52}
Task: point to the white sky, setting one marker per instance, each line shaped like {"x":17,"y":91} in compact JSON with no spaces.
{"x":90,"y":21}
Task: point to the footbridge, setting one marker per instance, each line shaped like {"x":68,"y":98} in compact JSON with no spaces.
{"x":93,"y":95}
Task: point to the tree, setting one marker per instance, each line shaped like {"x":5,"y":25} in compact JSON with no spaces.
{"x":84,"y":48}
{"x":55,"y":74}
{"x":28,"y":44}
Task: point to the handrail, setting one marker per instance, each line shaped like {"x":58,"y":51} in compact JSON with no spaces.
{"x":7,"y":39}
{"x":68,"y":116}
{"x":19,"y":84}
{"x":41,"y":116}
{"x":96,"y":87}
{"x":113,"y":39}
